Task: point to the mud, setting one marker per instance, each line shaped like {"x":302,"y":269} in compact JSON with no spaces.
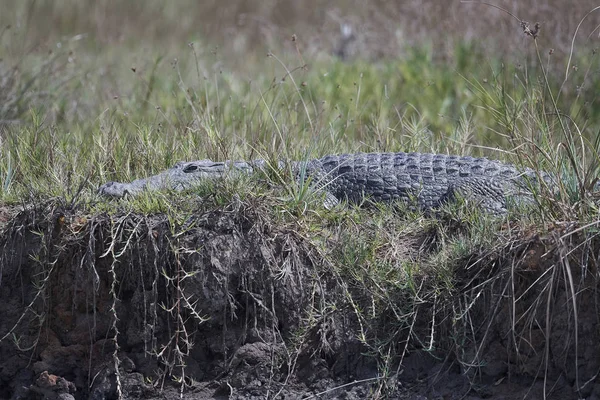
{"x":229,"y":304}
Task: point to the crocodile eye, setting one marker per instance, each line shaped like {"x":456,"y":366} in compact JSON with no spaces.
{"x":190,"y":168}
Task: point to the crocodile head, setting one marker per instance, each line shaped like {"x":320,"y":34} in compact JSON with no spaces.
{"x":182,"y":175}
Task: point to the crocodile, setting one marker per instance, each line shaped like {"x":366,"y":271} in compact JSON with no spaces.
{"x":428,"y":179}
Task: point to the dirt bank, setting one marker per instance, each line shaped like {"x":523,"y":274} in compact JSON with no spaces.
{"x":229,"y":303}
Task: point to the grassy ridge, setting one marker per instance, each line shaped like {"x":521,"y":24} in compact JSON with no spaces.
{"x":80,"y":133}
{"x":76,"y":113}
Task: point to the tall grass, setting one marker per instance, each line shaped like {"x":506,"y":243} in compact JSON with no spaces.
{"x":95,"y":109}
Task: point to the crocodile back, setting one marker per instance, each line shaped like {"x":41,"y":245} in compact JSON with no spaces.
{"x":428,"y":178}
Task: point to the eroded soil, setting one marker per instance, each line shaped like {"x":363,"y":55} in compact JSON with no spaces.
{"x":227,"y":304}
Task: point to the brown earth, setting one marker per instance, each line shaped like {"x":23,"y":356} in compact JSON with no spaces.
{"x":96,"y":305}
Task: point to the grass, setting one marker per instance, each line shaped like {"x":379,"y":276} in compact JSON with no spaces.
{"x":94,"y":109}
{"x":170,"y":113}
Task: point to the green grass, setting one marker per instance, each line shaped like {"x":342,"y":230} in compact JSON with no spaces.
{"x":117,"y":124}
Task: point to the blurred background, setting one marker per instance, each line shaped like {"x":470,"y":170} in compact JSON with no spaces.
{"x":380,"y":28}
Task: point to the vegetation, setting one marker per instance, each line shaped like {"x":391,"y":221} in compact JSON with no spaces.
{"x":96,"y":99}
{"x":77,"y":111}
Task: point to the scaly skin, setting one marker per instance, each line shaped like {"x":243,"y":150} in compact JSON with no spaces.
{"x":430,"y":179}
